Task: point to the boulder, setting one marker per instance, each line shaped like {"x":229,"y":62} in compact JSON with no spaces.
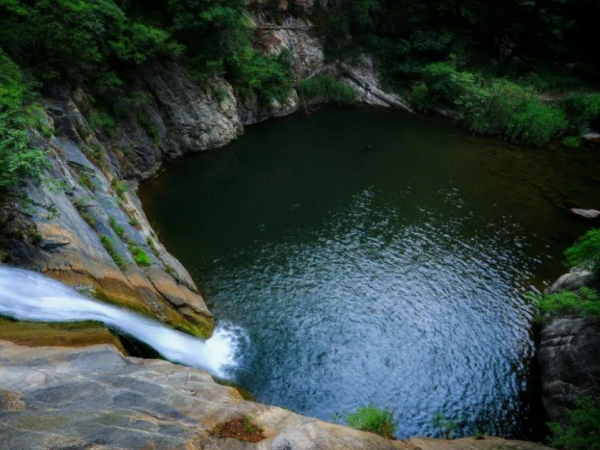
{"x":575,"y":279}
{"x":586,"y":213}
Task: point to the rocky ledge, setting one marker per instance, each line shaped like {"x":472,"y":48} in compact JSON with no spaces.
{"x":569,"y":353}
{"x":569,"y":356}
{"x":94,"y":398}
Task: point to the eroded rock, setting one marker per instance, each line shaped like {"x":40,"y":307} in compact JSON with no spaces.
{"x":569,"y":358}
{"x":96,"y":398}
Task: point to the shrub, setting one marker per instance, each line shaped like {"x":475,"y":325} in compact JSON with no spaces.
{"x":511,"y":112}
{"x":583,"y":429}
{"x":572,"y":142}
{"x":102,"y":121}
{"x":446,"y":83}
{"x":583,"y":111}
{"x":444,"y":425}
{"x":120,"y":188}
{"x":494,"y":107}
{"x":118,"y":229}
{"x":19,"y":161}
{"x":419,"y":96}
{"x":140,"y":257}
{"x":152,"y":246}
{"x":585,"y":303}
{"x":150,"y":128}
{"x":86,"y":181}
{"x":586,"y":252}
{"x":327,"y":89}
{"x":109,"y":246}
{"x":373,"y":420}
{"x":269,"y":78}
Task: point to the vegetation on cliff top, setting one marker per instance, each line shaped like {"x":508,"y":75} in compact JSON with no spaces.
{"x":489,"y":61}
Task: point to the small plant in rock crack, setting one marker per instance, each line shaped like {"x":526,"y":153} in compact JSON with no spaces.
{"x":444,"y":425}
{"x":374,"y":420}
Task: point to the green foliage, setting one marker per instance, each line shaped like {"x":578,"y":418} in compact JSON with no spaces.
{"x":118,"y":229}
{"x":85,"y":180}
{"x":120,"y":188}
{"x":513,"y":113}
{"x":493,"y":106}
{"x":19,"y":161}
{"x":585,"y":303}
{"x":419,"y":96}
{"x":109,"y":246}
{"x":408,"y":33}
{"x":373,"y":420}
{"x":152,"y":246}
{"x":572,"y":142}
{"x":585,"y":253}
{"x":583,"y":111}
{"x":102,"y":121}
{"x":79,"y":40}
{"x":444,"y":425}
{"x":447,"y":84}
{"x":150,"y":128}
{"x":583,"y":429}
{"x":270,"y":78}
{"x":140,"y":257}
{"x":327,"y":89}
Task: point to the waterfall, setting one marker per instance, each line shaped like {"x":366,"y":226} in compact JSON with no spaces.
{"x":26,"y":295}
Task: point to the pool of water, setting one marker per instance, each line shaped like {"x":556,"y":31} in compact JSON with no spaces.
{"x":373,"y":257}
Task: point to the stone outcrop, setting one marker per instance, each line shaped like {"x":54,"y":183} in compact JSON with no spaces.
{"x":569,"y":356}
{"x":569,"y":353}
{"x":96,"y":399}
{"x":571,"y":281}
{"x":586,"y":213}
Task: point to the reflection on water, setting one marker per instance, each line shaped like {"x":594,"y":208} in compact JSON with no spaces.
{"x":390,"y":276}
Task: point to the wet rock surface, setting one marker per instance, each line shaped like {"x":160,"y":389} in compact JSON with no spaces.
{"x":95,"y":398}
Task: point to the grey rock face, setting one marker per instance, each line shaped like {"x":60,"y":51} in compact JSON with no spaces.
{"x":65,"y":226}
{"x":94,"y":398}
{"x":569,"y":357}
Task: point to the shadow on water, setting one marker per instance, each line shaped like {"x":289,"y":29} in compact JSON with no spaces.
{"x":392,"y":276}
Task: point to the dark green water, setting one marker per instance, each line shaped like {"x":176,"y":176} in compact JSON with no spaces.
{"x":391,"y":276}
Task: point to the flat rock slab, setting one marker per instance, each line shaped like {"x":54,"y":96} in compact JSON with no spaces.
{"x":586,"y":213}
{"x":95,"y":398}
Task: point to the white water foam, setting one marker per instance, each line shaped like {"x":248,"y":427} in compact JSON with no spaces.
{"x":26,"y":295}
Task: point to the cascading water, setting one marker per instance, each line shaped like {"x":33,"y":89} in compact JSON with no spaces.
{"x":26,"y":295}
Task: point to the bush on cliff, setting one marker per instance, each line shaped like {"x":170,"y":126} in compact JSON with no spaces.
{"x":583,"y":111}
{"x":490,"y":106}
{"x":586,"y":252}
{"x":582,"y":431}
{"x":327,"y":89}
{"x":584,"y":303}
{"x":19,"y":161}
{"x":373,"y":420}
